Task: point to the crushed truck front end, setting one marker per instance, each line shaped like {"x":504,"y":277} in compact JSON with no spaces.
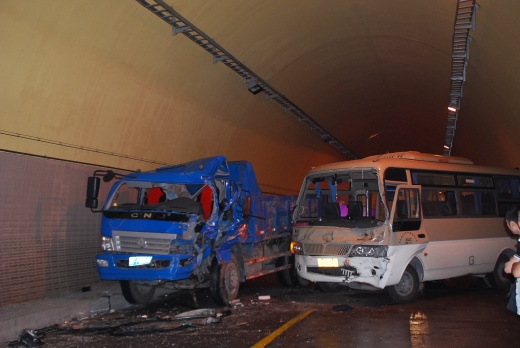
{"x":143,"y":246}
{"x":160,"y":227}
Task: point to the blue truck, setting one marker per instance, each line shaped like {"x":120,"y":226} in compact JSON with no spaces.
{"x":201,"y":224}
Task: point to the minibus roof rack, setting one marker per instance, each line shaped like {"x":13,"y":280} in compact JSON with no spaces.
{"x":419,"y":156}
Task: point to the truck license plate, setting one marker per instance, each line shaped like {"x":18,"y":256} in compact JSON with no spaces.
{"x":328,"y":262}
{"x":139,"y":260}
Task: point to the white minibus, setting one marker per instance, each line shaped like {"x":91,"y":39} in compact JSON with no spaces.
{"x":397,"y":220}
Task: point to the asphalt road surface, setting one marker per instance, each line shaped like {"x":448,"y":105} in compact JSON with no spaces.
{"x":455,"y":313}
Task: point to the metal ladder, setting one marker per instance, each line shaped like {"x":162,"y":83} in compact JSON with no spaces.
{"x":464,"y":21}
{"x":182,"y":26}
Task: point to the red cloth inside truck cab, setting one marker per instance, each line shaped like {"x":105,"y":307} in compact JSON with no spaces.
{"x":206,"y":199}
{"x":155,"y":195}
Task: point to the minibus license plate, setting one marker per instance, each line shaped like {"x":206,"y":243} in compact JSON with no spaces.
{"x":139,"y":260}
{"x":328,"y":262}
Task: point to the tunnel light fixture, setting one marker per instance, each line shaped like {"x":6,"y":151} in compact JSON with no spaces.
{"x":325,"y":138}
{"x":254,"y":87}
{"x":452,"y":108}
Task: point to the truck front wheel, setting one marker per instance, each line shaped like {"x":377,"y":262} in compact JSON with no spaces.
{"x":137,"y":292}
{"x":407,"y":289}
{"x":224,"y":281}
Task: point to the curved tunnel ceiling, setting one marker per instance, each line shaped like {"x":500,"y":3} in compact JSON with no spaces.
{"x":348,"y":65}
{"x":107,"y":83}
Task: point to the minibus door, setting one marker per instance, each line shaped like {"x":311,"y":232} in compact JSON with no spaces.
{"x":406,"y":217}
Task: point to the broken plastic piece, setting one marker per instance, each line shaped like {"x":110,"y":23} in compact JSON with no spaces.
{"x":264,"y":297}
{"x":198,"y":313}
{"x":28,"y":338}
{"x":224,"y":313}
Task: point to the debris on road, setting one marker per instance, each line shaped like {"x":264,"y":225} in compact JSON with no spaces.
{"x":28,"y":338}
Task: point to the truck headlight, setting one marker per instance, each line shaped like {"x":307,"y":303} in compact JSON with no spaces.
{"x":369,"y":251}
{"x":102,"y":263}
{"x":106,"y":244}
{"x":296,"y":248}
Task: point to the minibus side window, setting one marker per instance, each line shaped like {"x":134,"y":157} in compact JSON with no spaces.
{"x":478,"y":203}
{"x":438,"y":202}
{"x":487,"y":199}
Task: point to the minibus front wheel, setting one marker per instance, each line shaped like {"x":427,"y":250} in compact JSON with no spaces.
{"x":407,"y":289}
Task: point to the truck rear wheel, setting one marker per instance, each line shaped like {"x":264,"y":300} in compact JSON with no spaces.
{"x":137,"y":292}
{"x":224,"y":281}
{"x":290,"y":276}
{"x":498,"y":278}
{"x":287,"y":276}
{"x":407,"y":289}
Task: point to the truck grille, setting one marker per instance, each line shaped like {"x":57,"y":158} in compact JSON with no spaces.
{"x":326,"y":249}
{"x":142,"y":242}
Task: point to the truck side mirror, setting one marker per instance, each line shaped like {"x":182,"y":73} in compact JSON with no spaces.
{"x":92,"y":192}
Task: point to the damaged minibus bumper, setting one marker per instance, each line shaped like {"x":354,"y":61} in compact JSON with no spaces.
{"x":340,"y":269}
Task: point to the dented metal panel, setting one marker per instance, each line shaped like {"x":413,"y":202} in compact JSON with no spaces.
{"x":193,"y":225}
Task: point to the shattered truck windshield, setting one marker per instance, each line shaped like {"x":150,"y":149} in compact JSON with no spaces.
{"x":340,"y":198}
{"x":180,"y":198}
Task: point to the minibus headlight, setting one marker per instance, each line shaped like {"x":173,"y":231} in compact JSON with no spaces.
{"x":106,"y":244}
{"x":296,"y":248}
{"x":369,"y":251}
